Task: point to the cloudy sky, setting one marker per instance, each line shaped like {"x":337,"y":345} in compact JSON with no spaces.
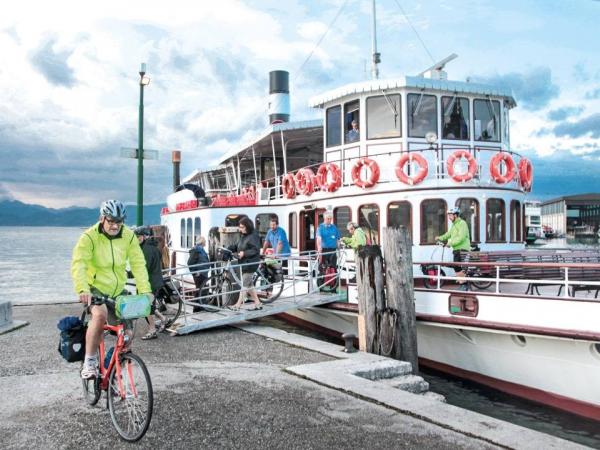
{"x":70,"y":93}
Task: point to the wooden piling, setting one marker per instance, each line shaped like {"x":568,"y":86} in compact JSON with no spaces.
{"x":371,"y":296}
{"x":400,"y":294}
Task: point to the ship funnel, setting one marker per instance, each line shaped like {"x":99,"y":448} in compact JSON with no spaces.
{"x":279,"y":96}
{"x":176,"y":159}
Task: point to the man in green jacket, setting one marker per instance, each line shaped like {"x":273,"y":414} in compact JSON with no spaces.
{"x":457,"y":237}
{"x":357,"y":236}
{"x":98,"y":266}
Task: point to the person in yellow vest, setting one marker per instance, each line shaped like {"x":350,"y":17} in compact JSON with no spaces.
{"x":357,"y":236}
{"x":457,"y":237}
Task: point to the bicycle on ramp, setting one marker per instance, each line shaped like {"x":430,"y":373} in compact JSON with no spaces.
{"x":126,"y":381}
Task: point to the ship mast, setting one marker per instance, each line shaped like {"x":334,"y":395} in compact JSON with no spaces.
{"x":376,"y":56}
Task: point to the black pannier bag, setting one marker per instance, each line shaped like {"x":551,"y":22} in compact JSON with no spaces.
{"x":71,"y":344}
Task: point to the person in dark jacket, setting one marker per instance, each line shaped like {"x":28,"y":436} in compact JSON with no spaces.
{"x":198,"y":266}
{"x":248,"y":250}
{"x":154,"y":267}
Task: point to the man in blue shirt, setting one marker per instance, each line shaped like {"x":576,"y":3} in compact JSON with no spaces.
{"x":277,"y":239}
{"x":327,"y":240}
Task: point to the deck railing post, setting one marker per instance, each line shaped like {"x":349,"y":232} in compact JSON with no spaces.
{"x":566,"y":281}
{"x":439,"y":274}
{"x":497,"y":279}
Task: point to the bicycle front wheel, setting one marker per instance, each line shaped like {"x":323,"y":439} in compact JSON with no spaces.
{"x":130,"y":398}
{"x":267,"y":292}
{"x":218,"y":291}
{"x":482,"y":284}
{"x":170,"y":309}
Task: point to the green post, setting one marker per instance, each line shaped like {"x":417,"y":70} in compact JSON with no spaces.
{"x":140,"y":153}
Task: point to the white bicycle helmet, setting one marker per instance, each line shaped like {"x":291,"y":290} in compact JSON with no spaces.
{"x":113,"y":209}
{"x":455,"y":210}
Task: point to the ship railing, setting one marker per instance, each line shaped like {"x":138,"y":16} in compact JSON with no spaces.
{"x":436,"y":157}
{"x":302,"y":276}
{"x":569,"y":277}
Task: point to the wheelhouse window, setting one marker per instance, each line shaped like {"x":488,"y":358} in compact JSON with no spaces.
{"x":433,"y":220}
{"x":351,"y":122}
{"x":189,"y":236}
{"x":383,"y":117}
{"x":400,"y":214}
{"x":515,"y":222}
{"x":233,"y":220}
{"x":182,"y":234}
{"x":262,"y":224}
{"x":422,"y":115}
{"x":293,"y":229}
{"x":495,"y":220}
{"x":334,"y":126}
{"x":455,"y":118}
{"x":469,"y":211}
{"x":368,"y":220}
{"x":197,"y":229}
{"x":341,"y":216}
{"x":486,"y":121}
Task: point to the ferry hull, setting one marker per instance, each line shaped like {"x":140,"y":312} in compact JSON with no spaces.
{"x":557,"y":372}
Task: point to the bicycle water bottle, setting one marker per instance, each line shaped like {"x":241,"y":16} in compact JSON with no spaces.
{"x":108,"y":357}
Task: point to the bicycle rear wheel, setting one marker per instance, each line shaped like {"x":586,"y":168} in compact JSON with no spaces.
{"x":170,"y":309}
{"x":431,"y":282}
{"x":130,"y":398}
{"x":217,"y":291}
{"x":481,"y":284}
{"x":91,"y":390}
{"x":267,"y":292}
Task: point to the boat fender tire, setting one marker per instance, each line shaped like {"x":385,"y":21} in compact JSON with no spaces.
{"x":495,"y":165}
{"x":419,"y":176}
{"x":305,"y":181}
{"x":525,"y":174}
{"x":471,"y":171}
{"x":288,"y":185}
{"x":374,"y":173}
{"x":326,"y":172}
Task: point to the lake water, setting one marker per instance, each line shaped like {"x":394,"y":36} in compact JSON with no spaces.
{"x":35,"y":267}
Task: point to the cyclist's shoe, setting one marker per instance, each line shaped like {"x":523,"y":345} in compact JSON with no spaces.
{"x":150,"y":335}
{"x":89,"y":371}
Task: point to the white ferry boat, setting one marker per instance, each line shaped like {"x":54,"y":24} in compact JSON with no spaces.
{"x":425,"y":144}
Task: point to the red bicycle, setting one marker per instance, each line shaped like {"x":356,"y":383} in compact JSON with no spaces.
{"x":126,"y":381}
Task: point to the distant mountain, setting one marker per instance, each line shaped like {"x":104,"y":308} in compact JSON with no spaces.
{"x":15,"y":213}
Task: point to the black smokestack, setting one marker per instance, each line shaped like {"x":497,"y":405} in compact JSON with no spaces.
{"x":176,"y":158}
{"x":279,"y":96}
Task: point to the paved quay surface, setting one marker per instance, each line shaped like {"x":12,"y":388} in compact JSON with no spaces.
{"x":226,"y":388}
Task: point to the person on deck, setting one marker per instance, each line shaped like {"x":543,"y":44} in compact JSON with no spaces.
{"x":353,"y":134}
{"x":357,"y":236}
{"x":98,"y":267}
{"x":327,"y":240}
{"x":457,"y":237}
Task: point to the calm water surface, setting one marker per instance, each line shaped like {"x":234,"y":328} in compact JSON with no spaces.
{"x":35,"y":267}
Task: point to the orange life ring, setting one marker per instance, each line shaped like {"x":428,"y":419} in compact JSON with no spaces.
{"x":304,"y":181}
{"x":288,"y":185}
{"x":373,"y":177}
{"x":525,"y":174}
{"x":419,"y":176}
{"x":329,"y":171}
{"x":495,"y":165}
{"x":461,"y":177}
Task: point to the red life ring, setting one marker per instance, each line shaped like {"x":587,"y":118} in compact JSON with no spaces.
{"x":495,"y":165}
{"x":419,"y":176}
{"x":329,"y":171}
{"x":525,"y":174}
{"x":304,"y":181}
{"x":373,"y":177}
{"x":461,"y":177}
{"x":288,"y":185}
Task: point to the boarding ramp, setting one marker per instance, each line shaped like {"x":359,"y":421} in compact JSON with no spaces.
{"x":303,"y":287}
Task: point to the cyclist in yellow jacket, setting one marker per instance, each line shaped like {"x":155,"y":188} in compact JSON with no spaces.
{"x":98,"y":266}
{"x":458,"y":238}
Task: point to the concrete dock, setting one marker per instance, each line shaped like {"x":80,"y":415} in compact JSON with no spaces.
{"x":249,"y":387}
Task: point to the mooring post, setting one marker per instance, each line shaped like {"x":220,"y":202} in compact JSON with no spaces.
{"x":371,"y":296}
{"x":400,"y":295}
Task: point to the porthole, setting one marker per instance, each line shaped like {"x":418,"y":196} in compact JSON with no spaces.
{"x":595,"y":350}
{"x":520,"y":340}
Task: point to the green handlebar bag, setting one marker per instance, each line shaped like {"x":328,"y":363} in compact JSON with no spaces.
{"x":132,"y":306}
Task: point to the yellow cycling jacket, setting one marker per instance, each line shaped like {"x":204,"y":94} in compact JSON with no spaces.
{"x":99,"y":262}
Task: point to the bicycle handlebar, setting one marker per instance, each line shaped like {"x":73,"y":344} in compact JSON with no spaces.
{"x":101,"y":300}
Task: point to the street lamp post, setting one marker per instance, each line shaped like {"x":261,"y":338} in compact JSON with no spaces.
{"x":144,"y":81}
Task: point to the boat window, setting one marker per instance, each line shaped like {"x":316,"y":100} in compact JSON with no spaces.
{"x":262,"y":223}
{"x":368,"y":220}
{"x":383,"y":116}
{"x":422,"y":115}
{"x":400,"y":213}
{"x":486,"y":123}
{"x":233,"y":220}
{"x":455,"y":118}
{"x":515,"y":221}
{"x":341,"y":216}
{"x":495,"y":220}
{"x":351,"y":122}
{"x":433,"y":220}
{"x":334,"y":126}
{"x":182,"y":234}
{"x":292,"y":228}
{"x":189,"y":234}
{"x":469,"y":211}
{"x":197,"y":229}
